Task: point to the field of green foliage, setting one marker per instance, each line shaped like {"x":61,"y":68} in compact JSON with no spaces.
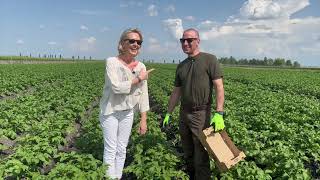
{"x":49,"y":127}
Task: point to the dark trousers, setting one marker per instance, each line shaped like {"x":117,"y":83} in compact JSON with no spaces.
{"x":197,"y":159}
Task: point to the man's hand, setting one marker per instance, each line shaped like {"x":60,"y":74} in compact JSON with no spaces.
{"x":217,"y":121}
{"x":166,"y":120}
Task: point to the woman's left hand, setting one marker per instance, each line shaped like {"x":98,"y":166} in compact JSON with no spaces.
{"x":143,"y":127}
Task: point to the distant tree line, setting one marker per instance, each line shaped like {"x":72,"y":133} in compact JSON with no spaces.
{"x":259,"y":62}
{"x":44,"y":57}
{"x":279,"y":62}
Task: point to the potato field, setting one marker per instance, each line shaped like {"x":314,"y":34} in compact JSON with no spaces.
{"x":49,"y":126}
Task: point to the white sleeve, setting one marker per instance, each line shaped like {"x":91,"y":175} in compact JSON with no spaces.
{"x":144,"y":100}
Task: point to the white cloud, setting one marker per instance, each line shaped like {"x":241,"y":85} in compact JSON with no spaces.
{"x":226,"y":29}
{"x":170,"y":8}
{"x":207,"y":24}
{"x":190,"y":18}
{"x":20,"y":42}
{"x":293,"y":6}
{"x":152,"y":10}
{"x":261,"y":9}
{"x":52,"y":43}
{"x":155,"y":47}
{"x":41,"y":26}
{"x":257,"y":21}
{"x":84,"y":28}
{"x":174,"y":26}
{"x":91,"y":40}
{"x":271,"y":9}
{"x":287,"y":38}
{"x":216,"y":32}
{"x":263,"y":28}
{"x":308,"y":20}
{"x":84,"y":44}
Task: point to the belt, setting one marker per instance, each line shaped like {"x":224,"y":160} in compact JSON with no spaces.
{"x":195,"y":108}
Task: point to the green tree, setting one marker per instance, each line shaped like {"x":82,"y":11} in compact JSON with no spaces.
{"x":296,"y":64}
{"x":288,"y":63}
{"x":279,"y":62}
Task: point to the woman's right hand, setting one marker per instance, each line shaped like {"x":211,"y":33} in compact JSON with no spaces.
{"x":144,"y":74}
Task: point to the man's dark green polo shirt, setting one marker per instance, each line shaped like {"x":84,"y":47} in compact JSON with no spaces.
{"x":194,"y":75}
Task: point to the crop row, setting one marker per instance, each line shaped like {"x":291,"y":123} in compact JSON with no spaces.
{"x":17,"y":77}
{"x":299,"y":82}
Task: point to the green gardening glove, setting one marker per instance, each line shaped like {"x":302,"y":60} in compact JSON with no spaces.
{"x":166,"y":119}
{"x":217,"y":121}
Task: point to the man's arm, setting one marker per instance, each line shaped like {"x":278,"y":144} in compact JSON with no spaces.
{"x":218,"y":85}
{"x":174,"y":99}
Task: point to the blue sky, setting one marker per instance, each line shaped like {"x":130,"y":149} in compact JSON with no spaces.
{"x":244,"y":29}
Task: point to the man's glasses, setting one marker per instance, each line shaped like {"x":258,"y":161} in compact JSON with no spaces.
{"x":189,"y":40}
{"x":132,"y":41}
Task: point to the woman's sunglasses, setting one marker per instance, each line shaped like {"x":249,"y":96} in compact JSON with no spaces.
{"x":189,"y":40}
{"x":132,"y":41}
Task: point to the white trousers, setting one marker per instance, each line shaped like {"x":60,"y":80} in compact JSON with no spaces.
{"x":116,"y":129}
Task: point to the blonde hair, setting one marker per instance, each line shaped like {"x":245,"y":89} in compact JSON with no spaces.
{"x":124,"y":36}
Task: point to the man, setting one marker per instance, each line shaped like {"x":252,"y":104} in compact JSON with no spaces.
{"x":195,"y":78}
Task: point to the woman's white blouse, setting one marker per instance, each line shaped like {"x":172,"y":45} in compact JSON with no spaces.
{"x":118,"y":93}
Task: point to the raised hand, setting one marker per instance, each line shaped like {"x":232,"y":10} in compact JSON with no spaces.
{"x":144,"y":74}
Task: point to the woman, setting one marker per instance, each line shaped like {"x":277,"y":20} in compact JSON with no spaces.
{"x":125,"y":90}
